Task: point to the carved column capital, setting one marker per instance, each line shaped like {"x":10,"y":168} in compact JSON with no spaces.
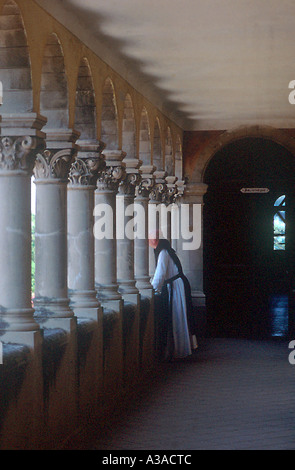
{"x":132,"y":177}
{"x":195,"y":190}
{"x":21,"y":139}
{"x":172,"y":190}
{"x":88,"y":164}
{"x":19,"y":153}
{"x":159,"y":190}
{"x":53,"y":165}
{"x":180,"y":188}
{"x":114,"y":171}
{"x":147,"y":181}
{"x":55,"y":161}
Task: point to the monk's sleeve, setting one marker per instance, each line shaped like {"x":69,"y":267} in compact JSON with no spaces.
{"x":161,"y":271}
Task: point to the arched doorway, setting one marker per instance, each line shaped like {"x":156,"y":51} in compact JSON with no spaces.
{"x":249,"y":239}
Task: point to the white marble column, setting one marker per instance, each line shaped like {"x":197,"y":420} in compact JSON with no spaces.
{"x":124,"y":230}
{"x":105,"y":229}
{"x":141,"y":245}
{"x":82,"y":183}
{"x":51,"y":178}
{"x":21,"y":139}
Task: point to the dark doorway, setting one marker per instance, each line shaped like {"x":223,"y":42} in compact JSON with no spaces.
{"x":249,"y":240}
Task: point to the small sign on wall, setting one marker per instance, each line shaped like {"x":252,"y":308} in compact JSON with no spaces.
{"x":254,"y":190}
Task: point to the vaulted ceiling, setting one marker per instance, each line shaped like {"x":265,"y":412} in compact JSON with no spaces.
{"x":207,"y":64}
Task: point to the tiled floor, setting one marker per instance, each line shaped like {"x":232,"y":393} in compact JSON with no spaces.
{"x":231,"y":394}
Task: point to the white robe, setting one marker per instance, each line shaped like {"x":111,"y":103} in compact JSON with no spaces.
{"x":166,"y":268}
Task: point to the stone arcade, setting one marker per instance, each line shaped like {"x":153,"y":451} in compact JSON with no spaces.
{"x":88,"y":134}
{"x":87,"y":334}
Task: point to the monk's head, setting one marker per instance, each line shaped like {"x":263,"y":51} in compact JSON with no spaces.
{"x":154,"y":237}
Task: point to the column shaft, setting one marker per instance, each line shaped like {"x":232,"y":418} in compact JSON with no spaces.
{"x":51,"y":290}
{"x":15,"y":249}
{"x":105,"y":251}
{"x":158,"y":196}
{"x":192,"y":259}
{"x":105,"y":228}
{"x":125,"y":228}
{"x":125,"y":246}
{"x":81,"y":247}
{"x":82,"y":182}
{"x":141,"y":250}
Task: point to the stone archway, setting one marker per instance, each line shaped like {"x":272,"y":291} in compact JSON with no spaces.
{"x":242,"y":268}
{"x":282,"y":137}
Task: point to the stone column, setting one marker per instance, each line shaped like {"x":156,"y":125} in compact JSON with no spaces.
{"x":81,"y":282}
{"x":125,"y":268}
{"x":125,"y":234}
{"x":82,"y":183}
{"x":170,"y":198}
{"x":105,"y":229}
{"x":192,"y":259}
{"x":175,"y":214}
{"x":141,"y":252}
{"x":157,"y":198}
{"x":51,"y":178}
{"x":21,"y":139}
{"x":141,"y":266}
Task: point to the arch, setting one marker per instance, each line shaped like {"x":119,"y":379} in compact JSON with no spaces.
{"x":157,"y":147}
{"x":267,"y":132}
{"x":54,"y":89}
{"x":178,"y":159}
{"x":128,"y":128}
{"x":85,"y":109}
{"x":247,"y":251}
{"x":144,"y":139}
{"x":169,"y":164}
{"x":109,"y":116}
{"x":15,"y":65}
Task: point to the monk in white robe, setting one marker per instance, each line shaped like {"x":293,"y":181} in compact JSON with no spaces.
{"x":179,"y":337}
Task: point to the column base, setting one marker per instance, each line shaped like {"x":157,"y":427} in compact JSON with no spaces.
{"x":91,"y":313}
{"x":127,"y":287}
{"x":106,"y":292}
{"x":132,"y":298}
{"x":83,"y":299}
{"x":144,"y":284}
{"x":147,"y":292}
{"x":57,"y":308}
{"x":18,"y":320}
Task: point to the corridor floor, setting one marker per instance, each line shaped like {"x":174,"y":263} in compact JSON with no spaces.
{"x":231,"y":394}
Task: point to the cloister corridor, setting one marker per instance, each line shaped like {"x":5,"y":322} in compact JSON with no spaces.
{"x":115,"y":123}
